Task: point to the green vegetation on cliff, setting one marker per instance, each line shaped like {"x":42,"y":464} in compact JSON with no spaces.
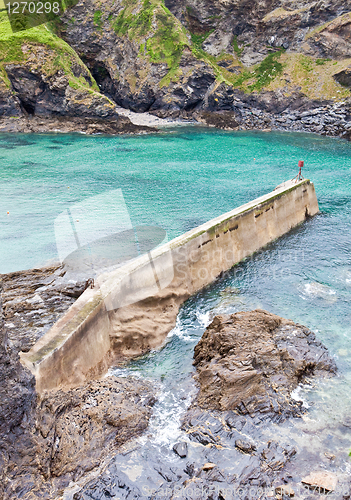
{"x":134,"y":25}
{"x":155,"y":36}
{"x":313,"y":76}
{"x":162,"y":37}
{"x":238,"y":50}
{"x":198,"y":39}
{"x":42,"y":50}
{"x":97,"y":19}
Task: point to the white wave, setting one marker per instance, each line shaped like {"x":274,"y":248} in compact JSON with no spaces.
{"x":296,"y":396}
{"x":179,"y":332}
{"x":318,"y":290}
{"x":167,"y":413}
{"x":123,"y":373}
{"x":204,"y":318}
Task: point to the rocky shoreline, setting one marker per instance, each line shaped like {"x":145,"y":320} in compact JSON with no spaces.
{"x":50,"y":440}
{"x":226,"y":112}
{"x":62,"y":124}
{"x":239,"y":450}
{"x":295,"y":115}
{"x":83,"y":442}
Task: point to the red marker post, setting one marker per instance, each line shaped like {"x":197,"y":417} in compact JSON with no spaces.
{"x":299,"y":176}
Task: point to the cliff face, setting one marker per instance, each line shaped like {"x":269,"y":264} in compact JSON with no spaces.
{"x":204,"y":60}
{"x":41,"y":74}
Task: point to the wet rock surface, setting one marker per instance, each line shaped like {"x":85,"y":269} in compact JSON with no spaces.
{"x":231,"y":453}
{"x":47,"y":442}
{"x":274,"y":464}
{"x":64,"y":435}
{"x":250,"y":362}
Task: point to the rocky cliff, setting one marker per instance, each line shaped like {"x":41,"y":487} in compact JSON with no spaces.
{"x":234,"y":63}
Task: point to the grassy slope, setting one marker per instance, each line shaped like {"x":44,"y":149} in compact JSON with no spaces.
{"x":282,"y":70}
{"x":160,"y":36}
{"x":314,"y":76}
{"x":28,"y":46}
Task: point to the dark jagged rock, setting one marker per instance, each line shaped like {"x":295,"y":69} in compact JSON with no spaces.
{"x":252,"y":361}
{"x":181,"y":449}
{"x":221,"y":119}
{"x":344,"y":77}
{"x":47,"y":442}
{"x":245,"y":446}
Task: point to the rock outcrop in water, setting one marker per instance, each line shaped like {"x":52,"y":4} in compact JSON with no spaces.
{"x":247,"y":365}
{"x":250,"y":362}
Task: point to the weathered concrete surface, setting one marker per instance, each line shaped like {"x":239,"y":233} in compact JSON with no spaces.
{"x":131,"y":309}
{"x":48,"y":441}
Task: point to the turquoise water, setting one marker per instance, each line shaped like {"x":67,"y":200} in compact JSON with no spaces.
{"x":177,"y":180}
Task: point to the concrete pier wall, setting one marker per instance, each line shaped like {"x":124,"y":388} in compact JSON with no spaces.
{"x":132,"y":308}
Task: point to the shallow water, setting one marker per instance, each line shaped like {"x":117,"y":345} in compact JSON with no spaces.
{"x":177,"y":180}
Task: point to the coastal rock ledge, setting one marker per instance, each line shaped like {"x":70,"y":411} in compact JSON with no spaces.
{"x":231,"y":447}
{"x":250,"y":362}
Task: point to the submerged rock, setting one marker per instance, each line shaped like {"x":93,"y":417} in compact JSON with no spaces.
{"x":252,"y":361}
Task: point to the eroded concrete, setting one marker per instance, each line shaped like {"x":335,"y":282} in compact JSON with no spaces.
{"x":131,"y":309}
